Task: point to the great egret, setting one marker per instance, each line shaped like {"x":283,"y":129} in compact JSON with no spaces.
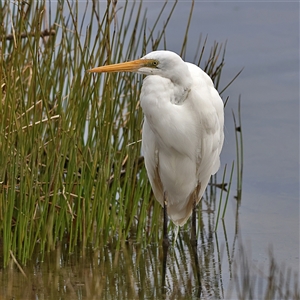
{"x":182,"y":132}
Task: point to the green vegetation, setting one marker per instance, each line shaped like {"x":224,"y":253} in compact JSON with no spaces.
{"x":71,"y":173}
{"x":70,"y":163}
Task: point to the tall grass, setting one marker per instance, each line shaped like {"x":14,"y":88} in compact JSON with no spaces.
{"x":70,"y":165}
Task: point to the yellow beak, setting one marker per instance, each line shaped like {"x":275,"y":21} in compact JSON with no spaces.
{"x":130,"y":66}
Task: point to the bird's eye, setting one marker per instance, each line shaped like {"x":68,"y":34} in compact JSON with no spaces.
{"x":155,"y":63}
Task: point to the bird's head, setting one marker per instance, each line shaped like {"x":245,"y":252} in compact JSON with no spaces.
{"x":163,"y":63}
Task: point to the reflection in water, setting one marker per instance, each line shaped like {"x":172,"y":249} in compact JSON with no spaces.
{"x":105,"y":274}
{"x":135,"y":272}
{"x":182,"y":271}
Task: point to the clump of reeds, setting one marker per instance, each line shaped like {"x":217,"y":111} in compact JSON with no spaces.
{"x":70,"y":160}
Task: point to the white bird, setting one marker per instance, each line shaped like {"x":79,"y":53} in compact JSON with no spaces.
{"x":183,"y":129}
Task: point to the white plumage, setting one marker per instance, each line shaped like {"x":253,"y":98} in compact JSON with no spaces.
{"x":182,"y":132}
{"x":183,"y":129}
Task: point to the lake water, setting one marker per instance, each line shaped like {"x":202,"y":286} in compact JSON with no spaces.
{"x":262,"y":38}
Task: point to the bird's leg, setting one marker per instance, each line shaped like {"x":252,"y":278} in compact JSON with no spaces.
{"x":165,"y":244}
{"x":198,"y":289}
{"x":194,"y":248}
{"x":165,"y":233}
{"x":193,"y":229}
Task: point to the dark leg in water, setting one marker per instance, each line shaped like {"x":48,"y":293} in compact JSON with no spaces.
{"x":195,"y":252}
{"x":193,"y":229}
{"x":165,"y":245}
{"x":166,"y":238}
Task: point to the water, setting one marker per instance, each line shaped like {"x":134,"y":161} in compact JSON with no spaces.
{"x":264,"y":39}
{"x":133,"y":273}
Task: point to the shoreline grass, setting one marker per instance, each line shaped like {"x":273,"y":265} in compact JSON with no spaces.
{"x":70,"y":165}
{"x":71,"y":175}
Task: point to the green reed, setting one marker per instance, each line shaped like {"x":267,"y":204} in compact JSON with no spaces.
{"x":70,"y":162}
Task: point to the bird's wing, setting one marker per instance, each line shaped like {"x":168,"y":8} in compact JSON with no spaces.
{"x":181,"y":143}
{"x":168,"y":142}
{"x":210,"y":107}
